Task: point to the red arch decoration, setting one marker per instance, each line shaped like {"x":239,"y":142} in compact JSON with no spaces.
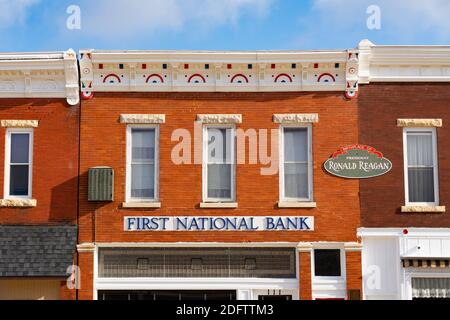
{"x":326,"y":74}
{"x":283,"y":75}
{"x":154,"y":75}
{"x":113,"y":75}
{"x":197,"y":75}
{"x":239,"y":75}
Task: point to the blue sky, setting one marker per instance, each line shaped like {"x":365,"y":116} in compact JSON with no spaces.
{"x":40,"y":25}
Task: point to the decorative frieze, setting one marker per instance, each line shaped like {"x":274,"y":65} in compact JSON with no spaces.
{"x":19,"y":123}
{"x":21,"y":203}
{"x":419,"y":122}
{"x":296,"y":118}
{"x":234,"y":71}
{"x":219,"y":118}
{"x":143,"y":118}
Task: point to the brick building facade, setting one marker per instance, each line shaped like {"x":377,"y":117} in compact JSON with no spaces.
{"x":403,"y":111}
{"x":114,"y":246}
{"x":39,"y":120}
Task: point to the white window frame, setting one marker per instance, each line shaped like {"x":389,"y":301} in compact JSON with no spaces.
{"x":435,"y":166}
{"x":9,"y":132}
{"x":329,"y":278}
{"x":128,"y":197}
{"x":205,"y":163}
{"x":283,"y":198}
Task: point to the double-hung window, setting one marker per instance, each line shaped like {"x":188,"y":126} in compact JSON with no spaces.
{"x":219,"y":164}
{"x":142,"y":163}
{"x":421,"y":170}
{"x":18,"y":166}
{"x":296,"y":164}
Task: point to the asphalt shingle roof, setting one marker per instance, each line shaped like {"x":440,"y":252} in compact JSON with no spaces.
{"x":36,"y":251}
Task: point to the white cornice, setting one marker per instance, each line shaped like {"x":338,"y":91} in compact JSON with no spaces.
{"x":40,"y":75}
{"x":218,"y":71}
{"x":403,"y":63}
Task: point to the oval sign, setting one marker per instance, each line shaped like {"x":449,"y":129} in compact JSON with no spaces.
{"x":357,"y":162}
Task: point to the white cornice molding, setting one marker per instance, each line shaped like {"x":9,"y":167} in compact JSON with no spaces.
{"x":217,"y":71}
{"x":40,"y":75}
{"x":403,"y":63}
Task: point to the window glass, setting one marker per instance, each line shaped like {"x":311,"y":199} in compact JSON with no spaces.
{"x":219,"y":163}
{"x":296,"y":184}
{"x":420,"y":167}
{"x":327,"y":262}
{"x":143,"y":163}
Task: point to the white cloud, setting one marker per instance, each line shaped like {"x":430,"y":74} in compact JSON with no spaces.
{"x":133,"y":18}
{"x":14,"y":11}
{"x":402,"y":21}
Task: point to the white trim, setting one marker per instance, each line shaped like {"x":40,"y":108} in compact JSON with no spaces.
{"x":205,"y":163}
{"x":282,"y":198}
{"x":40,"y":75}
{"x":194,"y":283}
{"x":396,"y":232}
{"x":296,"y":204}
{"x":197,"y":244}
{"x":406,"y":130}
{"x":6,"y":190}
{"x":128,"y":198}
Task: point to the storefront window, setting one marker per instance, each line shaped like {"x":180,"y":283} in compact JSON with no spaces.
{"x":327,"y":263}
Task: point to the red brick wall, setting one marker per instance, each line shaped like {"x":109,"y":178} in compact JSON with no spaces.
{"x":305,"y":275}
{"x":103,"y":142}
{"x":380,"y":105}
{"x":354,"y":271}
{"x":55,"y":160}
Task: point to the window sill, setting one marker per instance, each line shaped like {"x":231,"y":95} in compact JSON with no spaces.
{"x":18,"y":203}
{"x":425,"y":209}
{"x":218,"y":205}
{"x":137,"y":205}
{"x":295,"y":204}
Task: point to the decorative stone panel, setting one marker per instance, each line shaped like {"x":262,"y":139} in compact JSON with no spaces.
{"x":419,"y":122}
{"x":19,"y":123}
{"x":219,"y":118}
{"x":18,"y":203}
{"x":142,"y":118}
{"x":296,"y":118}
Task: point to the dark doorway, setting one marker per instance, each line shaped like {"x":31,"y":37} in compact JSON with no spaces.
{"x":178,"y":295}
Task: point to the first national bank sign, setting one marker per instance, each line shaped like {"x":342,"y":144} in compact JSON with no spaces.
{"x":243,"y":223}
